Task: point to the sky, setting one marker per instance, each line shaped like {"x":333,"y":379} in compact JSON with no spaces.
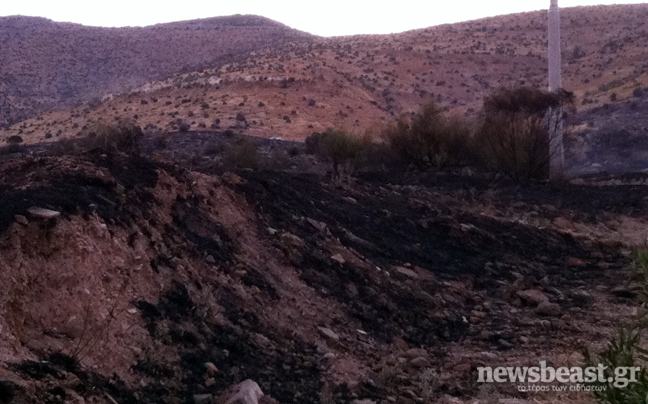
{"x":319,"y":17}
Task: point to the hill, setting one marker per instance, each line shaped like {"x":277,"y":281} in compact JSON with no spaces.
{"x":359,"y":83}
{"x":46,"y":63}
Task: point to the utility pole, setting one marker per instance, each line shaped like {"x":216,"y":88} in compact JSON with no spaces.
{"x":554,"y":118}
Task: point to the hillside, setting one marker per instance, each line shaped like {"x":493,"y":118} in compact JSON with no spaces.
{"x":146,"y":282}
{"x":359,"y":83}
{"x":46,"y":63}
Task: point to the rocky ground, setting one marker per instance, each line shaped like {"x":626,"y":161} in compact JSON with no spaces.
{"x":144,"y":281}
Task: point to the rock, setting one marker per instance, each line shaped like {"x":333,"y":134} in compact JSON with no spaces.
{"x":338,"y":258}
{"x":407,"y":272}
{"x":329,"y":356}
{"x":232,"y":178}
{"x":581,"y":297}
{"x":504,"y":344}
{"x":533,"y":297}
{"x":328,"y":333}
{"x":202,"y":398}
{"x":246,"y":392}
{"x":548,"y":309}
{"x":576,"y":262}
{"x":211,"y":369}
{"x":318,"y":225}
{"x":562,"y":223}
{"x":272,"y":231}
{"x":420,"y":362}
{"x":210,"y":259}
{"x":415,"y":353}
{"x":43,"y":213}
{"x":21,"y":219}
{"x":364,"y":401}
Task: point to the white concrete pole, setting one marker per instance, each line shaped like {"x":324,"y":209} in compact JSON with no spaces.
{"x":554,"y":118}
{"x":555,"y":70}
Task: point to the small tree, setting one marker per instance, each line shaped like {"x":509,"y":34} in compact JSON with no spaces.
{"x":514,"y":136}
{"x":341,"y":149}
{"x":429,"y":139}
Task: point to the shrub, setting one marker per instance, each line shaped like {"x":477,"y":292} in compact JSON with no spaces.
{"x":341,"y":149}
{"x":513,"y":138}
{"x":242,"y":155}
{"x":124,"y":137}
{"x":15,"y":139}
{"x":429,"y":139}
{"x":515,"y":145}
{"x":623,"y":350}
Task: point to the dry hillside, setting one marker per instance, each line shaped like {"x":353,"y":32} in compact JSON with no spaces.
{"x":358,"y":83}
{"x":46,"y":63}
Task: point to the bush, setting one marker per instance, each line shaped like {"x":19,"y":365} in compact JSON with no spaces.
{"x":122,"y":137}
{"x":515,"y":145}
{"x":626,"y":349}
{"x":341,"y":149}
{"x":242,"y":155}
{"x":429,"y":139}
{"x":513,"y":138}
{"x":15,"y":139}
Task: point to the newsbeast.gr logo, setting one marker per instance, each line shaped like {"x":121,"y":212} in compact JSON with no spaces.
{"x":580,"y":377}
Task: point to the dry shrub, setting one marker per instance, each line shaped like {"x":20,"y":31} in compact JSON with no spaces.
{"x":514,"y":138}
{"x":244,"y":154}
{"x":121,"y":137}
{"x":343,"y":150}
{"x":429,"y":139}
{"x":515,"y":145}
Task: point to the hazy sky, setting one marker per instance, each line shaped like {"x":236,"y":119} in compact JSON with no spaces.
{"x":320,"y":17}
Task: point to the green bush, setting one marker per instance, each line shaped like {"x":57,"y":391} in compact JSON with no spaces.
{"x":429,"y":139}
{"x":626,"y":349}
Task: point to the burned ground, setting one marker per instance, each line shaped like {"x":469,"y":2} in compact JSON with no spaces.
{"x":430,"y":261}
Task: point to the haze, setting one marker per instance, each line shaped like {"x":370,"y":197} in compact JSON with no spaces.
{"x":330,"y":18}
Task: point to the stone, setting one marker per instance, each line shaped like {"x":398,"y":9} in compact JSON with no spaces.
{"x":43,"y":213}
{"x":415,"y":353}
{"x":329,"y":356}
{"x":364,"y":401}
{"x":202,"y":398}
{"x":548,"y":309}
{"x":533,"y":297}
{"x":562,"y":223}
{"x":328,"y":333}
{"x":420,"y":362}
{"x":21,"y":219}
{"x":211,"y":369}
{"x":246,"y":392}
{"x":338,"y":258}
{"x":407,"y":272}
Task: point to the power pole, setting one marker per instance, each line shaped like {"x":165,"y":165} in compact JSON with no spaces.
{"x":554,"y":118}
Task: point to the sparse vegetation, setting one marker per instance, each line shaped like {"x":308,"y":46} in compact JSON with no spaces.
{"x":244,"y":154}
{"x":513,"y":138}
{"x":341,"y":149}
{"x":429,"y":139}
